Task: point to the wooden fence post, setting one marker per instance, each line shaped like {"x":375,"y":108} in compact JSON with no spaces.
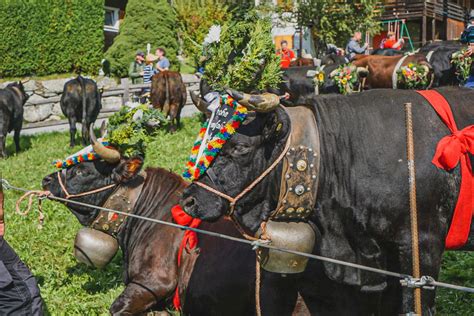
{"x":126,"y":90}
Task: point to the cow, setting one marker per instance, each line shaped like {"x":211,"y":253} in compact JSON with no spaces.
{"x":168,"y":94}
{"x":381,"y":68}
{"x":387,"y":52}
{"x":362,"y":212}
{"x":439,"y":56}
{"x":80,"y":102}
{"x":12,"y":100}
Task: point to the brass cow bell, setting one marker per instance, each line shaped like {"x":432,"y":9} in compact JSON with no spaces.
{"x":298,"y":236}
{"x":94,"y":248}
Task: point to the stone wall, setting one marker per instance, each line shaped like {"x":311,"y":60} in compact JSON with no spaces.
{"x":43,"y":90}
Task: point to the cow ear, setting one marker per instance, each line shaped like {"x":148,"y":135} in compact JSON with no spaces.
{"x":273,"y":127}
{"x":127,"y":170}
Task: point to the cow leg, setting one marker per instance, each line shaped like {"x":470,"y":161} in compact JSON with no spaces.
{"x":72,"y":131}
{"x":133,"y":300}
{"x":3,"y":152}
{"x":173,"y":117}
{"x":278,"y":293}
{"x":16,"y":136}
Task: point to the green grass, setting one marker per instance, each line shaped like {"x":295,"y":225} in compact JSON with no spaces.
{"x":69,"y":288}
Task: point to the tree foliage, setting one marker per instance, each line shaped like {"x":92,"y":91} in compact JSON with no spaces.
{"x":243,"y":57}
{"x":334,"y":21}
{"x":194,"y":23}
{"x":45,"y":37}
{"x":146,"y":21}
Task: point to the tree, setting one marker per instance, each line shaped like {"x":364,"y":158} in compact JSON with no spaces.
{"x":334,"y":21}
{"x":146,"y":21}
{"x":194,"y":23}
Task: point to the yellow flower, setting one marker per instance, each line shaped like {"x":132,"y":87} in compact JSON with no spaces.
{"x":344,"y":81}
{"x":321,"y":77}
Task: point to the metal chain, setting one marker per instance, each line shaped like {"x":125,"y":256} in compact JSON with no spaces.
{"x":405,"y":279}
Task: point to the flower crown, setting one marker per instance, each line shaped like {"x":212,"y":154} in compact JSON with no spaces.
{"x":85,"y":154}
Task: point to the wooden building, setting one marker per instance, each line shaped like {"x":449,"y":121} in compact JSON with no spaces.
{"x":429,"y":19}
{"x":114,"y":14}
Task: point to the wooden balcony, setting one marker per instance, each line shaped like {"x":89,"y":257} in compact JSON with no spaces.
{"x":413,"y":9}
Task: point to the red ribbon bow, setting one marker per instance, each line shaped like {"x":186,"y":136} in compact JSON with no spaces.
{"x":189,"y":241}
{"x":451,"y":150}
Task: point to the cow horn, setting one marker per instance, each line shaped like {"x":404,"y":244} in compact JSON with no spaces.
{"x":103,"y":129}
{"x":108,"y":154}
{"x":265,"y":102}
{"x":199,"y":102}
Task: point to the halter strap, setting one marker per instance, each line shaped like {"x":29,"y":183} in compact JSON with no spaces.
{"x":70,"y":196}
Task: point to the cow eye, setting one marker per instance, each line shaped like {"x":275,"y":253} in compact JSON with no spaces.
{"x":78,"y":172}
{"x":242,"y":149}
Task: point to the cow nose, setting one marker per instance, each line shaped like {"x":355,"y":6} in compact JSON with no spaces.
{"x":46,"y":182}
{"x":189,"y":204}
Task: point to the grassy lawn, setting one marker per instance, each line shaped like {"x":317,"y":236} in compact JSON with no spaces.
{"x":69,"y":288}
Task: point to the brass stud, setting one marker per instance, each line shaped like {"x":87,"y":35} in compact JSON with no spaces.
{"x":284,"y":201}
{"x":105,"y":227}
{"x":308,"y":189}
{"x":311,"y":166}
{"x":315,"y":154}
{"x":300,"y":210}
{"x":291,"y":165}
{"x":287,"y":176}
{"x":313,"y":176}
{"x":290,"y":210}
{"x":301,"y":147}
{"x":288,"y":153}
{"x":290,"y":189}
{"x":292,"y":148}
{"x":301,"y":165}
{"x":310,"y":149}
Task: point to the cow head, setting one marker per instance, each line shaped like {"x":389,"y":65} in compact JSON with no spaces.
{"x":19,"y":90}
{"x":246,"y":155}
{"x":92,"y":175}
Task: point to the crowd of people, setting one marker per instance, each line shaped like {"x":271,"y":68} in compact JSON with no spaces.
{"x":143,"y":68}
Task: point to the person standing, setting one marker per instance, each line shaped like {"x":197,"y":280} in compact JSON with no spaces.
{"x":163,"y":63}
{"x":286,"y":55}
{"x":467,"y":37}
{"x":353,"y":47}
{"x":135,"y":71}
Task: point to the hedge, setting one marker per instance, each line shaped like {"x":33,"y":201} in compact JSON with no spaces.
{"x":146,"y":21}
{"x":45,"y":37}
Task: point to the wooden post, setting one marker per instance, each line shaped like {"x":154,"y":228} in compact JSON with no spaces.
{"x":423,"y":29}
{"x":433,"y":29}
{"x":124,"y":82}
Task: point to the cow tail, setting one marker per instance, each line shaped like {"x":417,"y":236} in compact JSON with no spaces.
{"x":83,"y":89}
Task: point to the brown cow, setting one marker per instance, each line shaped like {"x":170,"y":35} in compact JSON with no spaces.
{"x":168,"y":94}
{"x":381,"y":68}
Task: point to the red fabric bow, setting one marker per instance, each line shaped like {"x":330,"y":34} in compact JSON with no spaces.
{"x":451,"y":150}
{"x":189,"y":240}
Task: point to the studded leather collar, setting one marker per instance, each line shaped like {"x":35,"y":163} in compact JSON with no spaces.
{"x":122,"y":199}
{"x":300,"y":173}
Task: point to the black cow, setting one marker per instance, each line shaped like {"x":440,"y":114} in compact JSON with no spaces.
{"x":12,"y":100}
{"x":439,"y":56}
{"x":80,"y":102}
{"x":362,"y":209}
{"x":387,"y":52}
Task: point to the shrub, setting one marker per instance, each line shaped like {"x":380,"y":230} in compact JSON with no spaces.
{"x":146,"y":21}
{"x":46,"y":37}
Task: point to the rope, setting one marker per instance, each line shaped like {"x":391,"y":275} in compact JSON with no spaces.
{"x":41,"y":195}
{"x":425,"y":281}
{"x":413,"y":209}
{"x":258,"y":307}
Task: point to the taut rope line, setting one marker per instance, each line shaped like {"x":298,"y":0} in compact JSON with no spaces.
{"x":405,"y":279}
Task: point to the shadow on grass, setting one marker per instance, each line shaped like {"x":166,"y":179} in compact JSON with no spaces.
{"x":101,"y":280}
{"x":25,"y":144}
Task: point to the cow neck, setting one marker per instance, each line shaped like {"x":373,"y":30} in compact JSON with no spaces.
{"x":300,"y":170}
{"x":17,"y":91}
{"x":123,"y":199}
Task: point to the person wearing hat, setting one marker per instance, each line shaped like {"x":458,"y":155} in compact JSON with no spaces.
{"x":392,"y":43}
{"x":467,"y":37}
{"x":148,"y":72}
{"x":135,"y":71}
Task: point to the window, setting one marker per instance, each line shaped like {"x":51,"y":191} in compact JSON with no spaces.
{"x":111,"y":19}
